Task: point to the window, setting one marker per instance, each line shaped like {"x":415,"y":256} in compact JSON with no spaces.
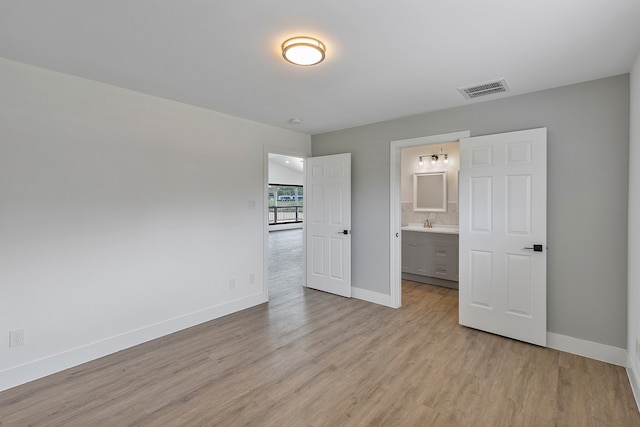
{"x":285,"y":203}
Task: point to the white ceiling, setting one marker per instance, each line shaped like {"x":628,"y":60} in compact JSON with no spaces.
{"x":385,"y":59}
{"x":294,"y":163}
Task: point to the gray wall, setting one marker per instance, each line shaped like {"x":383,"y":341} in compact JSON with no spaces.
{"x":588,"y":147}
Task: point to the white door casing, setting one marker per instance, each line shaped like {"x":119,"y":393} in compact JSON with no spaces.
{"x":503,"y":213}
{"x":328,"y":223}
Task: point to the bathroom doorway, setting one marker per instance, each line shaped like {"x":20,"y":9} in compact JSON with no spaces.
{"x":429,"y":213}
{"x":403,"y":200}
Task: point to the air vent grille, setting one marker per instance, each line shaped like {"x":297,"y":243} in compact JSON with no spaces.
{"x":486,"y":88}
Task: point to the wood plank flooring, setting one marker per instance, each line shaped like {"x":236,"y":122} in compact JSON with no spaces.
{"x":309,"y":358}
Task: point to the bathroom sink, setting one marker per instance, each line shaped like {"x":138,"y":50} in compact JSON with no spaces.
{"x":443,"y":229}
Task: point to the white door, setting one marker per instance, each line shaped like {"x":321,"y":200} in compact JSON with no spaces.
{"x":328,"y":223}
{"x":503,"y":233}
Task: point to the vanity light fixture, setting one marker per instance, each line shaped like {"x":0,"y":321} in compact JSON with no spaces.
{"x":434,"y":158}
{"x":303,"y":50}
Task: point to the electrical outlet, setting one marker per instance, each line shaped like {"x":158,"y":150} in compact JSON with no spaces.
{"x":252,"y":278}
{"x":16,"y":337}
{"x":232,"y":283}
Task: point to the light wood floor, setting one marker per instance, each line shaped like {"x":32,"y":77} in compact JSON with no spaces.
{"x":309,"y":358}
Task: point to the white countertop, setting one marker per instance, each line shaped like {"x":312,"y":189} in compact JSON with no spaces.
{"x":437,"y":228}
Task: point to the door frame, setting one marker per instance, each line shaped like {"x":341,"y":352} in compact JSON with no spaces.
{"x":395,"y":212}
{"x":274,"y":149}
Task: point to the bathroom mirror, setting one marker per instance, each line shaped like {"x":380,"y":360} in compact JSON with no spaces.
{"x":430,"y":192}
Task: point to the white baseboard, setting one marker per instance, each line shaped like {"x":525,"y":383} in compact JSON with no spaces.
{"x":590,"y":349}
{"x":634,"y":379}
{"x":370,"y":296}
{"x":33,"y":370}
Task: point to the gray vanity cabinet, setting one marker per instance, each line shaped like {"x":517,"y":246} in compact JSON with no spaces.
{"x":430,"y":254}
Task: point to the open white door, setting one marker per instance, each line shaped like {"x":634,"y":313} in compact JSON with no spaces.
{"x":328,"y":223}
{"x":503,"y":233}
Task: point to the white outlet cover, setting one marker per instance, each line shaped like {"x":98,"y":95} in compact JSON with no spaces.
{"x":16,"y":338}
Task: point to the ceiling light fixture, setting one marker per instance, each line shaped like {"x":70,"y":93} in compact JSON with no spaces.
{"x":303,"y":51}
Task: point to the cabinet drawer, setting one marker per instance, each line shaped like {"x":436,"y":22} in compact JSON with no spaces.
{"x":444,"y":270}
{"x":442,"y":250}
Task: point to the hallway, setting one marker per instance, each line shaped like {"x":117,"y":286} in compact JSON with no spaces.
{"x":286,"y":261}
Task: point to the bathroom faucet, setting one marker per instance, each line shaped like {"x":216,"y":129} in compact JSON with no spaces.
{"x":427,"y":224}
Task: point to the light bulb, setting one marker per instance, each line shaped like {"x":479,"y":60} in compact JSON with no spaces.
{"x":420,"y":162}
{"x":446,"y":158}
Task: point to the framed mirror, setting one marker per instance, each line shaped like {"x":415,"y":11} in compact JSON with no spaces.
{"x":430,"y":191}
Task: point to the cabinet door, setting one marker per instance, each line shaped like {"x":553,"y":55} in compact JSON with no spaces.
{"x":409,"y":253}
{"x":424,"y":264}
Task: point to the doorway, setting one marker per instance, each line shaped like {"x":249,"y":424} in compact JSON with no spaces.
{"x":284,"y":246}
{"x":327,"y":259}
{"x":429,"y":211}
{"x":396,"y":203}
{"x":502,"y":241}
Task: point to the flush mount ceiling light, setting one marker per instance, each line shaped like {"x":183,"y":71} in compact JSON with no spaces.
{"x":303,"y":51}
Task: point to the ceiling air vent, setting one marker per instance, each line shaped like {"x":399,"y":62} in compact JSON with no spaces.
{"x":486,"y":88}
